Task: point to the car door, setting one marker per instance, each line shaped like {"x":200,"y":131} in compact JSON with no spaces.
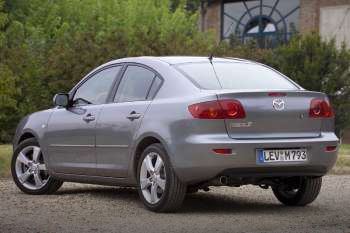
{"x":119,"y":121}
{"x":71,"y":132}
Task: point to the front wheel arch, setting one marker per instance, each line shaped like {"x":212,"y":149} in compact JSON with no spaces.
{"x":52,"y":184}
{"x":25,"y":136}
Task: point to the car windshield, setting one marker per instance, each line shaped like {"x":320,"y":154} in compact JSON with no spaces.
{"x":235,"y":75}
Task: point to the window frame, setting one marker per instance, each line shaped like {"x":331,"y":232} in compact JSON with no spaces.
{"x":91,"y":75}
{"x":286,"y":32}
{"x":122,"y":76}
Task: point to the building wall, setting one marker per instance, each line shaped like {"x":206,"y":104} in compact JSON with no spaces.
{"x":335,"y":23}
{"x":310,"y":20}
{"x":211,"y":18}
{"x":310,"y":13}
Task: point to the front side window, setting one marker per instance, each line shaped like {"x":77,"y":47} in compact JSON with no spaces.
{"x":96,"y":89}
{"x":235,"y":75}
{"x":135,"y":84}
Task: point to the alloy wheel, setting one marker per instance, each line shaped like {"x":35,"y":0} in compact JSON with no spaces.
{"x":30,"y":168}
{"x":152,"y":178}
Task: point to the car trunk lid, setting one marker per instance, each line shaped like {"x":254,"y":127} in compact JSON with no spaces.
{"x":274,"y":114}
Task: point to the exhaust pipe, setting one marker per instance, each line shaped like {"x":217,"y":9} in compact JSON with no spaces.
{"x":223,"y":180}
{"x":219,"y":181}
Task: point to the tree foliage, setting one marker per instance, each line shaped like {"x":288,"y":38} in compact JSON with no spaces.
{"x":46,"y":46}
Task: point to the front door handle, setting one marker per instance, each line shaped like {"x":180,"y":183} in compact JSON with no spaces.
{"x":89,"y":117}
{"x":134,"y":115}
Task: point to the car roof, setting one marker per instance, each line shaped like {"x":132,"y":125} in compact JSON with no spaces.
{"x":173,"y":60}
{"x":190,"y":59}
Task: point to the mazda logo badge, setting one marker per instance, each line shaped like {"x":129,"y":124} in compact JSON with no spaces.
{"x":278,"y":104}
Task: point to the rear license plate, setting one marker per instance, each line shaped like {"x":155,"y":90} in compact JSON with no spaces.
{"x":281,"y":155}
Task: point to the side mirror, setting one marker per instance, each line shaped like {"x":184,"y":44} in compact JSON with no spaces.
{"x":61,"y":100}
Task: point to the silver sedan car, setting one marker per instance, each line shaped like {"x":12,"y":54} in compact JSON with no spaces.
{"x":175,"y":125}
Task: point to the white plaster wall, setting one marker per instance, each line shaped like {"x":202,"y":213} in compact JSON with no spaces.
{"x":335,"y":23}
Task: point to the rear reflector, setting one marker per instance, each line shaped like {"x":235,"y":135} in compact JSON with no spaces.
{"x":331,"y":148}
{"x":218,"y":109}
{"x":223,"y":151}
{"x":320,"y":108}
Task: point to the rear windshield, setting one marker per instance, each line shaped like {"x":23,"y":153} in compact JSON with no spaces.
{"x":231,"y":75}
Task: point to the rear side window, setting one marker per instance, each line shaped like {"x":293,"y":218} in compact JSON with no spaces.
{"x":239,"y":76}
{"x":135,"y":84}
{"x":155,"y":87}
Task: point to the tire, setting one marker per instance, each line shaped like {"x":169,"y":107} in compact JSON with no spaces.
{"x":174,"y":190}
{"x":34,"y":172}
{"x":306,"y":192}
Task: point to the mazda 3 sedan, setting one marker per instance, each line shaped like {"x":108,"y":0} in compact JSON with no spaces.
{"x":175,"y":125}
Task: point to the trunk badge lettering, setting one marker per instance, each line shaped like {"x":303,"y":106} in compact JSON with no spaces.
{"x":241,"y":124}
{"x":278,"y":104}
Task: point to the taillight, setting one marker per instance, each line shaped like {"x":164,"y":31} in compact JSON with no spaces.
{"x":218,"y":109}
{"x":320,"y":108}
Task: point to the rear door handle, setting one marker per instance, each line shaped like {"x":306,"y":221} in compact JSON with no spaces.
{"x":89,"y":117}
{"x":134,"y":115}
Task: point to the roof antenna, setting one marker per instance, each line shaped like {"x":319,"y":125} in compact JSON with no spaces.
{"x":211,"y":58}
{"x":212,"y":65}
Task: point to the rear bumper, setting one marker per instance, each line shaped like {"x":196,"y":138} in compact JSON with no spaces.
{"x":194,"y":161}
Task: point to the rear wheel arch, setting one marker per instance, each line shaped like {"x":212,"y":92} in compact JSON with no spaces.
{"x":141,"y":146}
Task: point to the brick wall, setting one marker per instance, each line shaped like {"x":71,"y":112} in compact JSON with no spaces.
{"x":211,"y":18}
{"x":310,"y":13}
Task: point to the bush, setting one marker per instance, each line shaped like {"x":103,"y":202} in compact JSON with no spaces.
{"x":47,"y":46}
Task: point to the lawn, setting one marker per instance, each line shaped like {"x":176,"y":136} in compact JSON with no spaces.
{"x":342,"y":165}
{"x":5,"y":160}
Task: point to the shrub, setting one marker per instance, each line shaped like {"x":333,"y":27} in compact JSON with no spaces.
{"x":47,"y":46}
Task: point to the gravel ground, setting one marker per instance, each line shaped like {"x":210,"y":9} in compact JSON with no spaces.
{"x":90,"y":208}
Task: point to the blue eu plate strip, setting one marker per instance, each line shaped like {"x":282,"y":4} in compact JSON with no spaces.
{"x":261,"y":156}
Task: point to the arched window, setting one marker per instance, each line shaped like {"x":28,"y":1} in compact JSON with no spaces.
{"x":268,"y":22}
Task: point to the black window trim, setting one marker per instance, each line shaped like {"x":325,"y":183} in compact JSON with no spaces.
{"x":90,"y":75}
{"x":126,"y":65}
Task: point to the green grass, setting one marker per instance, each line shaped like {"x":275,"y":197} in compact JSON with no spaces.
{"x":345,"y":149}
{"x":342,"y":165}
{"x":5,"y":160}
